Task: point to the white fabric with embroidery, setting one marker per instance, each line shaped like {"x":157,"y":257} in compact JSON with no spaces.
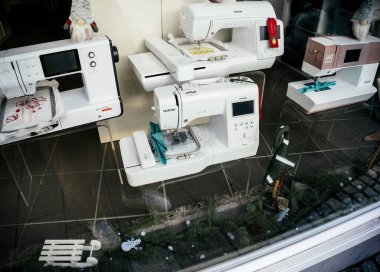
{"x":22,"y":116}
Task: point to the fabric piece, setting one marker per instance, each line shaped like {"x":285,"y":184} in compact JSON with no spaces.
{"x":28,"y":115}
{"x":158,"y":141}
{"x":317,"y":86}
{"x":209,"y":50}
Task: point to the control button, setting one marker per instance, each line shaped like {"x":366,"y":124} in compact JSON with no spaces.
{"x":92,"y":63}
{"x":91,"y":54}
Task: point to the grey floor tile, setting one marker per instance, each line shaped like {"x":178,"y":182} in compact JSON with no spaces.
{"x":299,"y":133}
{"x":277,"y":80}
{"x":112,"y":157}
{"x":13,"y":209}
{"x":34,"y":155}
{"x":49,"y":203}
{"x":9,"y":237}
{"x":320,"y":133}
{"x":197,"y":189}
{"x":4,"y":170}
{"x":9,"y":202}
{"x":350,"y":133}
{"x":264,"y":148}
{"x":248,"y":174}
{"x":312,"y":165}
{"x":118,"y":199}
{"x":66,"y":197}
{"x":77,"y":152}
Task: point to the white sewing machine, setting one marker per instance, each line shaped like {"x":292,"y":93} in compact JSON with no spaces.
{"x":351,"y":63}
{"x":85,"y":72}
{"x":177,"y":60}
{"x":232,"y":132}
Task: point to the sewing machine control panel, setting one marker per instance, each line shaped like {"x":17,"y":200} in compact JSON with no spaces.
{"x":31,"y":72}
{"x":262,"y":37}
{"x":243,"y":123}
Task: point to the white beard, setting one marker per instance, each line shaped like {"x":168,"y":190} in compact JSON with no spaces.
{"x":80,"y":33}
{"x":359,"y":30}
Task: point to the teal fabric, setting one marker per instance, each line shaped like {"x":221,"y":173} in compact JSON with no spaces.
{"x":158,"y":141}
{"x":316,"y":86}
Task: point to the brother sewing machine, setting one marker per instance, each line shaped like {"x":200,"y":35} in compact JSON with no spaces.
{"x":231,"y":133}
{"x":85,"y":72}
{"x":257,"y":38}
{"x":349,"y":67}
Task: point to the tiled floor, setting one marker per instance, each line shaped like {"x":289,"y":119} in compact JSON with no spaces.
{"x":76,"y":186}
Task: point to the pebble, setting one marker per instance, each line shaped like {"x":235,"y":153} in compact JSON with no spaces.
{"x":359,"y":187}
{"x":372,"y":173}
{"x":350,"y":178}
{"x":143,"y":233}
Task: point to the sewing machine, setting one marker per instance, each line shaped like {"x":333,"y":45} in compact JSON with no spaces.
{"x":85,"y":72}
{"x":348,"y":63}
{"x":177,"y":60}
{"x":231,"y":133}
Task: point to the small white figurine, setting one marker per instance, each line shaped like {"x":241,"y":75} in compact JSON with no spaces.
{"x":361,"y":21}
{"x":80,"y":22}
{"x":130,"y":244}
{"x":281,"y":215}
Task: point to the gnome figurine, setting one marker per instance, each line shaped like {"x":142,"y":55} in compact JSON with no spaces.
{"x":80,"y":22}
{"x":361,"y":21}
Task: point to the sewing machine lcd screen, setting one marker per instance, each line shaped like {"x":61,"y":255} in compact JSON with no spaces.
{"x":60,"y":63}
{"x":352,"y":55}
{"x":242,"y":108}
{"x":264,"y":35}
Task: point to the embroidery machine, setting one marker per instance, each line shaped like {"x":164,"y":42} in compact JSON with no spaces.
{"x":231,"y":133}
{"x":85,"y":72}
{"x":345,"y":69}
{"x":257,"y":38}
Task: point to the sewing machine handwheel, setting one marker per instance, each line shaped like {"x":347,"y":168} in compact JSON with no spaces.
{"x":96,"y":244}
{"x":115,"y":54}
{"x":92,"y":261}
